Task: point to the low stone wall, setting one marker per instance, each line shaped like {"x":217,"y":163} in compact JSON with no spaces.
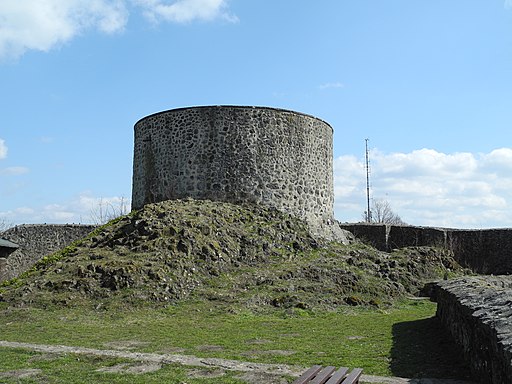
{"x":407,"y":236}
{"x":485,"y":251}
{"x":387,"y":237}
{"x":37,"y":241}
{"x":375,"y":235}
{"x":478,"y":313}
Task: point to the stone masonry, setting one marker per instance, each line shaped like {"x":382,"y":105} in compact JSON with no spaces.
{"x":268,"y":156}
{"x":485,"y":251}
{"x":36,"y":241}
{"x":478,"y":313}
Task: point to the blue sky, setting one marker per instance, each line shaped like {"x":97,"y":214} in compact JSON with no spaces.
{"x":429,"y":82}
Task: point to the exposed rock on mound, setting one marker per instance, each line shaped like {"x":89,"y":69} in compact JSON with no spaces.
{"x":235,"y":255}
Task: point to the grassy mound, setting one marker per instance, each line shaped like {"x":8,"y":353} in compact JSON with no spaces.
{"x":236,"y":256}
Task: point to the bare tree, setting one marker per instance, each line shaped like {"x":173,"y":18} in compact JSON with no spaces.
{"x":5,"y":225}
{"x":105,"y":211}
{"x":381,"y":213}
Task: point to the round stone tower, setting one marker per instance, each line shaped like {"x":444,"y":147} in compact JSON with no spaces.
{"x":274,"y":157}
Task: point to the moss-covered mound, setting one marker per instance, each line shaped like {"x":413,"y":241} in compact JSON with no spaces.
{"x":237,"y":256}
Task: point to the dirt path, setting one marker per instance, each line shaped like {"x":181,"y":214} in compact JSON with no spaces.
{"x":189,"y":360}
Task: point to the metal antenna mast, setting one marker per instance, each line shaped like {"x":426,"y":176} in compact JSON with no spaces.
{"x":368,"y":211}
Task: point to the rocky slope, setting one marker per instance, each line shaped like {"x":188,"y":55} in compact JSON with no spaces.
{"x":236,"y":256}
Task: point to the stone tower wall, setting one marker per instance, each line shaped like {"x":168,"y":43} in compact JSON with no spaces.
{"x":274,"y":157}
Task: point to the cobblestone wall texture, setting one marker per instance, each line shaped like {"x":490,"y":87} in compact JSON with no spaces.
{"x":37,"y":241}
{"x":274,"y":157}
{"x":477,"y":312}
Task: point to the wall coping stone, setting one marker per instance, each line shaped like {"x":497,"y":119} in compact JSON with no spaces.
{"x":234,"y":107}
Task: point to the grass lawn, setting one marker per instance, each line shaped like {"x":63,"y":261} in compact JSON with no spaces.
{"x":403,"y":341}
{"x":91,"y":369}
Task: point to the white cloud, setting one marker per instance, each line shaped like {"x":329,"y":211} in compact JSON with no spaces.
{"x":427,"y":187}
{"x":499,"y":161}
{"x":3,"y":149}
{"x":43,"y":24}
{"x":508,"y":4}
{"x":183,"y":11}
{"x":13,"y":171}
{"x":426,"y":161}
{"x":84,"y":208}
{"x":9,"y":171}
{"x":46,"y":139}
{"x":331,"y":85}
{"x":25,"y":211}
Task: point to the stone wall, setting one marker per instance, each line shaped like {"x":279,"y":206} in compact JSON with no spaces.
{"x":37,"y":241}
{"x":477,"y":311}
{"x":372,"y":234}
{"x":387,"y":237}
{"x":268,"y":156}
{"x":485,"y":251}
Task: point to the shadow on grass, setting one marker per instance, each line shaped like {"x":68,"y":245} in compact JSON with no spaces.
{"x":424,"y":349}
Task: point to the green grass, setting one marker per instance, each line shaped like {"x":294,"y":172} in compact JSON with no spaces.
{"x":71,"y":369}
{"x":403,"y":341}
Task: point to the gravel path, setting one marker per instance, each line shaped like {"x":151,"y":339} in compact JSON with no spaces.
{"x":189,"y":360}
